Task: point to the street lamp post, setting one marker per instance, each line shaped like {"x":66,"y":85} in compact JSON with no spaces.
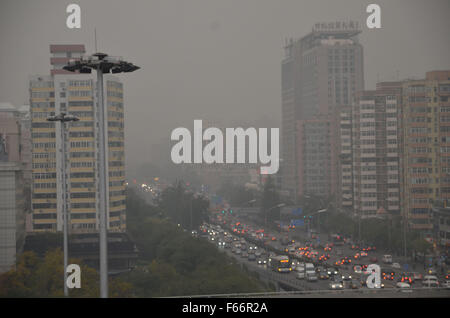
{"x":102,"y":63}
{"x":274,"y":207}
{"x":63,"y":118}
{"x":318,"y":219}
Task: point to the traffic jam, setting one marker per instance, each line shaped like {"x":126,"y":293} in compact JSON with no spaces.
{"x":336,"y":263}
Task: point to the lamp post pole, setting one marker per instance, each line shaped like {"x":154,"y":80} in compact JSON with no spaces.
{"x":63,"y":118}
{"x":103,"y":227}
{"x":102,"y":63}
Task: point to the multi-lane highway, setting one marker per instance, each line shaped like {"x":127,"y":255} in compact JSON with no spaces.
{"x":234,"y":236}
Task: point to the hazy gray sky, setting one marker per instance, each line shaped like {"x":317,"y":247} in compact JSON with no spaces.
{"x":210,"y":59}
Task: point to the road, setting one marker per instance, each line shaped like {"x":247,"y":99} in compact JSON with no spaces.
{"x":289,"y":281}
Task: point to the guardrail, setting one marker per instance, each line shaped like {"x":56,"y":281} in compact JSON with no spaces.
{"x":325,"y":292}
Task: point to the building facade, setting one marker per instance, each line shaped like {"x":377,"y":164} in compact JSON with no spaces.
{"x":75,"y":94}
{"x":426,"y":147}
{"x":320,"y":74}
{"x":376,"y":147}
{"x":12,"y":219}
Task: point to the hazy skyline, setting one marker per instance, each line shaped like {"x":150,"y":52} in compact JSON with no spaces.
{"x":210,"y":59}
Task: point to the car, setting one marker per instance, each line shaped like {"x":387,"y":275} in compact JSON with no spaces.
{"x":300,"y":275}
{"x":346,"y":260}
{"x":320,"y":269}
{"x":295,"y":264}
{"x":406,"y":278}
{"x":261,"y":261}
{"x":251,"y":257}
{"x":430,"y":281}
{"x":336,"y":285}
{"x":346,"y":277}
{"x":416,"y":276}
{"x":323,"y":275}
{"x":354,"y":284}
{"x":311,"y":277}
{"x":244,"y":254}
{"x":364,"y":254}
{"x":387,"y":259}
{"x":388,"y":275}
{"x":396,"y":265}
{"x":332,"y":271}
{"x":404,"y":287}
{"x":446,"y":284}
{"x":300,"y":267}
{"x":357,"y":269}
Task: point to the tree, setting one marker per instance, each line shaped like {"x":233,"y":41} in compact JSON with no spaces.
{"x":43,"y":277}
{"x":183,"y":207}
{"x":236,"y":194}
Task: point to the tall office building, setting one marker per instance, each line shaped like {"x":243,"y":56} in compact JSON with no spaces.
{"x":75,"y":94}
{"x":320,"y":74}
{"x":376,"y":150}
{"x":426,"y":147}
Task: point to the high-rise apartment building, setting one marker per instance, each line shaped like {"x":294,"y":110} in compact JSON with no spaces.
{"x":75,"y":94}
{"x":345,"y":159}
{"x":426,"y":147}
{"x":12,"y":200}
{"x":317,"y":156}
{"x":320,"y":74}
{"x":376,"y":150}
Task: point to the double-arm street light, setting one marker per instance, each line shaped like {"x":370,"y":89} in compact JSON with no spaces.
{"x":102,"y":63}
{"x":63,"y":119}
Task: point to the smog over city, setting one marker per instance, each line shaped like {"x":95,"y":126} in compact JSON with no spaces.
{"x":271,"y":149}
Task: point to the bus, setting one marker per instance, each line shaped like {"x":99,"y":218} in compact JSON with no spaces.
{"x":281,"y":264}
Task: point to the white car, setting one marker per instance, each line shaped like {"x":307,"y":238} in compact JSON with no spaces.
{"x":403,"y":285}
{"x":396,"y":265}
{"x":311,"y":277}
{"x":430,"y":281}
{"x":301,"y":275}
{"x":446,"y":284}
